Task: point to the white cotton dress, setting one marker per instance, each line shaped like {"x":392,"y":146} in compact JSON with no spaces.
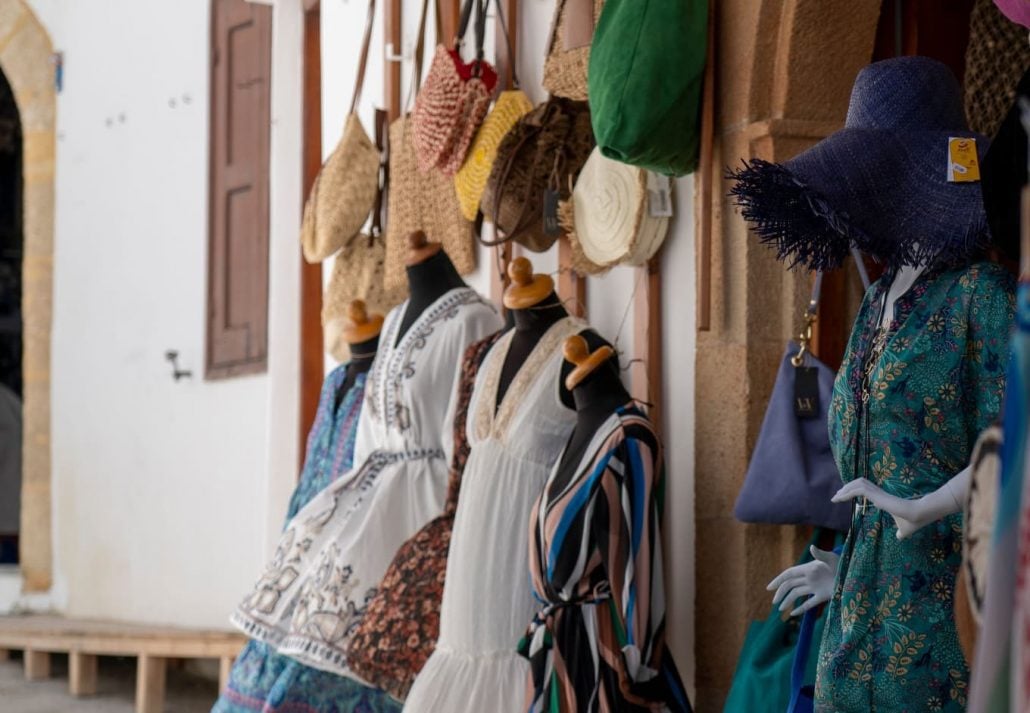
{"x":487,"y":597}
{"x":335,"y":551}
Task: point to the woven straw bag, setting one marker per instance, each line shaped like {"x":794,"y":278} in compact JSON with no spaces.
{"x":996,"y":57}
{"x":612,"y":221}
{"x":422,"y":201}
{"x":357,"y":273}
{"x":544,"y":151}
{"x":568,"y":51}
{"x":579,"y":263}
{"x":359,"y":268}
{"x":454,"y":99}
{"x":418,"y":201}
{"x":345,"y":188}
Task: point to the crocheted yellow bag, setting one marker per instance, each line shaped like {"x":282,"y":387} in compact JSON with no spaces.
{"x":470,"y":180}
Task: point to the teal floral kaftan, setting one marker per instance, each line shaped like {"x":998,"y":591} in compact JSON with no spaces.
{"x":906,"y":410}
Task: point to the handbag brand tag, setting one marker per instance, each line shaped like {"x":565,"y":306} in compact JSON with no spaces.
{"x":551,"y":225}
{"x":659,"y":195}
{"x":963,"y":166}
{"x":806,"y":392}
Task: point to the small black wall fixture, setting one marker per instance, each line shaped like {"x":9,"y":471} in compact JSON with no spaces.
{"x":177,"y":373}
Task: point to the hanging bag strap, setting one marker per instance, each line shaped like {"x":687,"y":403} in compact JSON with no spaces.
{"x":811,"y":311}
{"x":508,"y":45}
{"x":468,"y":8}
{"x":863,"y":274}
{"x":376,"y":230}
{"x":419,"y":55}
{"x":366,"y":42}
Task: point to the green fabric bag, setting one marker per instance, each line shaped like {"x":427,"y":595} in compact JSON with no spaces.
{"x":761,"y":683}
{"x":644,"y":80}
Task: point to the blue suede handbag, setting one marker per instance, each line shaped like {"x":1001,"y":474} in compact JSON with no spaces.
{"x":792,"y":474}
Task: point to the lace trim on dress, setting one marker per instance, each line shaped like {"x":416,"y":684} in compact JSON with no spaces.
{"x":491,"y":420}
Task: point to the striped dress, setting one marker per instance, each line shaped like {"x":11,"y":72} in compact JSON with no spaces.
{"x":596,"y":562}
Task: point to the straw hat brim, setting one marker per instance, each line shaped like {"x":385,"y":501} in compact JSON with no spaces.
{"x":883,"y":192}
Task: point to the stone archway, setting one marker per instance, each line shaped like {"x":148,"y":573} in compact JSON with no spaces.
{"x":784,"y":75}
{"x":26,"y":58}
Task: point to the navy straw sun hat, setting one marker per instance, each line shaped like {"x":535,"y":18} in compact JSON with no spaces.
{"x":880,"y":184}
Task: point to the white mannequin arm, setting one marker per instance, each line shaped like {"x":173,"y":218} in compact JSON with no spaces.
{"x":912,"y":515}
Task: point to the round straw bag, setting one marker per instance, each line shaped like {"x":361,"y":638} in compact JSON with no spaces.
{"x":613,"y":224}
{"x":980,"y":509}
{"x":578,"y":261}
{"x":568,"y":52}
{"x":345,"y":188}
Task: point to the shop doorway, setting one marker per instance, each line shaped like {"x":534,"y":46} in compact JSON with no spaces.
{"x":11,"y":254}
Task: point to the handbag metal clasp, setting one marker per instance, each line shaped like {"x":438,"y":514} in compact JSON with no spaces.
{"x":804,"y":339}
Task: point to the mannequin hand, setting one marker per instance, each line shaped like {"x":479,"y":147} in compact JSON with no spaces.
{"x":813,"y":580}
{"x":909,"y":515}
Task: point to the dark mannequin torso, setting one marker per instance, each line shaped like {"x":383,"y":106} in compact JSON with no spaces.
{"x":597,"y":397}
{"x":428,"y":281}
{"x":362,"y":356}
{"x":530,"y":325}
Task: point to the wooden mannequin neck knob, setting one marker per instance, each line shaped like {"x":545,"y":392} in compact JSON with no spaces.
{"x":526,"y":289}
{"x":577,"y":352}
{"x":420,"y":249}
{"x":361,"y":326}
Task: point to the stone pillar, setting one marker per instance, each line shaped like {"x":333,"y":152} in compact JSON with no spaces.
{"x":26,"y":61}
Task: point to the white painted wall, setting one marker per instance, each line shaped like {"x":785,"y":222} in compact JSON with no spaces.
{"x":608,"y":297}
{"x":167,"y":496}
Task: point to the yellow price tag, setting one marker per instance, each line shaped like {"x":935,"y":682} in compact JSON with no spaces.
{"x":963,"y":166}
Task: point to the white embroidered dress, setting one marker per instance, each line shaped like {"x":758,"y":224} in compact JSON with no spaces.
{"x":487,"y":598}
{"x":334,"y":552}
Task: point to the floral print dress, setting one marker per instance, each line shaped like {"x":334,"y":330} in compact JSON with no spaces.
{"x":266,"y":681}
{"x":906,"y":410}
{"x":397,"y":635}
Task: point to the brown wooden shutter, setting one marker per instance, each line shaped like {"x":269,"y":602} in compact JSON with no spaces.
{"x":237,"y":330}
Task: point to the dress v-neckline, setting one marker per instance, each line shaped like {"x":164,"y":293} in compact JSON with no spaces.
{"x":904,"y":310}
{"x":397,"y":343}
{"x":492,"y":417}
{"x":602,"y":434}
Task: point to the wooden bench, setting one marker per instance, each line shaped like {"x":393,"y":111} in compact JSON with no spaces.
{"x":83,"y":640}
